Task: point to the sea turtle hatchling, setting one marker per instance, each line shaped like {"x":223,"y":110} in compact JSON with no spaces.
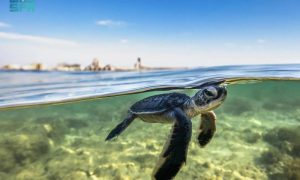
{"x":179,"y":109}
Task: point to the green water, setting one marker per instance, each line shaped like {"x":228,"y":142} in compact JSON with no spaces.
{"x":258,"y":137}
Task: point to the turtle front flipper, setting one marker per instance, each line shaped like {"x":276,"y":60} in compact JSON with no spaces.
{"x":121,"y":127}
{"x":175,"y":149}
{"x":207,"y":128}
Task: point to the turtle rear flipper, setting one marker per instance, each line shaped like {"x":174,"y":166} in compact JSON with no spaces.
{"x":174,"y":155}
{"x":121,"y":127}
{"x":207,"y":128}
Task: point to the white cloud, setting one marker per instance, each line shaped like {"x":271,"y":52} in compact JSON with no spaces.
{"x":124,"y":41}
{"x":111,"y":23}
{"x":4,"y":25}
{"x":260,"y":41}
{"x":36,"y":39}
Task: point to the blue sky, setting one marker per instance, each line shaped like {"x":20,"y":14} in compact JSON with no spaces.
{"x":161,"y":32}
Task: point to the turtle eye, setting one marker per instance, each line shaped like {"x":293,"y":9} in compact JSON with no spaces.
{"x":210,"y":92}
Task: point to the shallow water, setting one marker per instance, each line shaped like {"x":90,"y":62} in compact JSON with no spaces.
{"x":257,"y":137}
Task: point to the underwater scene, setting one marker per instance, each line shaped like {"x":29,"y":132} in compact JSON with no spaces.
{"x":53,"y":125}
{"x":257,"y":137}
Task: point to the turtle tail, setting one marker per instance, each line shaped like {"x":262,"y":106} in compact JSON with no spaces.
{"x":121,"y":127}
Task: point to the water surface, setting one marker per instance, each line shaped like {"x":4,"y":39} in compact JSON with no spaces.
{"x":257,"y":128}
{"x":29,"y":87}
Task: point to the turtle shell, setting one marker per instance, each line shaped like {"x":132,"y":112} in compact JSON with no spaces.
{"x":159,"y":103}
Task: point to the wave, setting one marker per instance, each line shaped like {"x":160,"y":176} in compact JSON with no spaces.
{"x":22,"y":89}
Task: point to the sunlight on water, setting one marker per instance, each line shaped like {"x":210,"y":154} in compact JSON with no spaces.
{"x":257,"y":138}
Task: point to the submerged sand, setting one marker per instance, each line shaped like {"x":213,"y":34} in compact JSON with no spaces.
{"x":257,"y":137}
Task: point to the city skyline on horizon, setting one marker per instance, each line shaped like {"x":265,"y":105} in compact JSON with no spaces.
{"x":162,"y":33}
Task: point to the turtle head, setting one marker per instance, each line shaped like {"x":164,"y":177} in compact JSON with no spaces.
{"x":210,"y":97}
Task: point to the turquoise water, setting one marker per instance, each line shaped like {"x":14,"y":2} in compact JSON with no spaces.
{"x":257,"y":126}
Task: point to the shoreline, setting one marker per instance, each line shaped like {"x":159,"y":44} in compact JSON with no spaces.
{"x":101,"y":70}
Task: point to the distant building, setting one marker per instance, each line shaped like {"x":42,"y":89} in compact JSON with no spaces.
{"x":68,"y":67}
{"x":11,"y":67}
{"x":94,"y":66}
{"x":138,"y":64}
{"x":108,"y":67}
{"x":33,"y":67}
